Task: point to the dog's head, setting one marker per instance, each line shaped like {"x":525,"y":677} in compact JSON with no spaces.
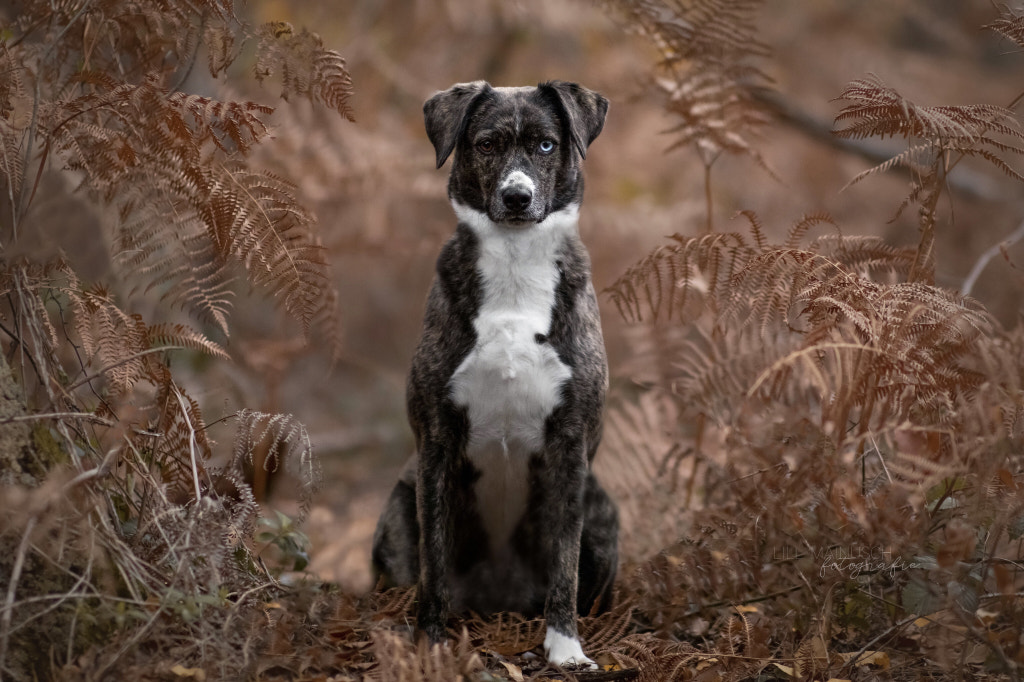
{"x":517,"y":150}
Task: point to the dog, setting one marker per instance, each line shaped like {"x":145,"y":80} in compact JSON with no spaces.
{"x":498,"y":509}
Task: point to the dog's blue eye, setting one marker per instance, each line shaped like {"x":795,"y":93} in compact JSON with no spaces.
{"x":546,"y":147}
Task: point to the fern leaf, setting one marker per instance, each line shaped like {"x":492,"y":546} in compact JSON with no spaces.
{"x":287,"y":441}
{"x":1010,"y":24}
{"x":167,"y":334}
{"x":664,"y":280}
{"x":307,"y":69}
{"x":875,"y":109}
{"x":710,"y":50}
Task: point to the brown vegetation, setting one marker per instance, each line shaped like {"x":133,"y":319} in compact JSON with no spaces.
{"x":814,"y":438}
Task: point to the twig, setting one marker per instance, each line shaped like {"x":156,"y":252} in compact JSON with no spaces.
{"x":881,"y":459}
{"x":88,"y":416}
{"x":101,"y":470}
{"x":57,"y":599}
{"x":1009,"y":667}
{"x":988,"y":255}
{"x":754,"y":600}
{"x":12,"y":588}
{"x":604,"y":675}
{"x":191,"y":444}
{"x":133,"y":356}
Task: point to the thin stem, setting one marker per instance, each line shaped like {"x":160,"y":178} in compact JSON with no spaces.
{"x":12,"y":588}
{"x":988,"y":255}
{"x":58,"y":415}
{"x":709,"y":226}
{"x":133,"y":356}
{"x":191,"y":444}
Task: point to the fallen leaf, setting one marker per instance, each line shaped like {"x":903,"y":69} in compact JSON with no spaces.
{"x":514,"y":671}
{"x":197,"y":674}
{"x":986,"y":617}
{"x":786,"y":670}
{"x":879,"y":658}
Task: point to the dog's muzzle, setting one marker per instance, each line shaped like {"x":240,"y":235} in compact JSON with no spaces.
{"x":515,"y":197}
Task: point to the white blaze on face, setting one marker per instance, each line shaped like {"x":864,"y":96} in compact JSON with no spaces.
{"x":517,"y":179}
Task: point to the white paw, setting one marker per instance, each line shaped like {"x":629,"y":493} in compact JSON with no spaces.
{"x":565,"y":651}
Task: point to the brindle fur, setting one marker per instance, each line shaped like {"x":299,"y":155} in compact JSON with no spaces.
{"x":430,"y":532}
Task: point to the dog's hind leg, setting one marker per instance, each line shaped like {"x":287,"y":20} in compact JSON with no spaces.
{"x":598,"y":550}
{"x":396,"y":539}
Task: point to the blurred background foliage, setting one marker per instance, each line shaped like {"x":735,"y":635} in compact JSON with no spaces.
{"x":384,"y":214}
{"x":688,"y":490}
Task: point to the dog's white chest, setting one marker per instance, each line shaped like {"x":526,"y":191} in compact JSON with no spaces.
{"x":512,"y":379}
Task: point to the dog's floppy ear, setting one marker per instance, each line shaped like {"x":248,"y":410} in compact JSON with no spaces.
{"x":583,"y":109}
{"x":445,"y":115}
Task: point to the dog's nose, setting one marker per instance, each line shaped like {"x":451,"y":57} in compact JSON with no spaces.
{"x":516,"y":198}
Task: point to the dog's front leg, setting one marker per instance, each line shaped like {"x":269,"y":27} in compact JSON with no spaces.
{"x":434,"y":510}
{"x":566,"y":476}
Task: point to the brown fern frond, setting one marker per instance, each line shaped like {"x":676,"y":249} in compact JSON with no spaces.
{"x":221,"y":52}
{"x":737,"y":634}
{"x":167,"y":334}
{"x":867,"y":255}
{"x":182,"y":446}
{"x":807,"y":326}
{"x":394,"y":604}
{"x":255,"y":217}
{"x":287,"y":443}
{"x":875,"y":109}
{"x":307,"y":68}
{"x":604,"y":631}
{"x":1010,"y":24}
{"x":717,"y":372}
{"x":805,"y":224}
{"x":663,"y":281}
{"x":13,"y":128}
{"x":712,"y":30}
{"x":224,"y":213}
{"x":659,"y":659}
{"x":400,"y":660}
{"x":233,"y":126}
{"x":508,"y":633}
{"x":709,"y":71}
{"x":111,"y":337}
{"x":715,"y":112}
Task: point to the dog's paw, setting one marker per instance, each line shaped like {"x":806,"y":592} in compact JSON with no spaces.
{"x":565,"y":651}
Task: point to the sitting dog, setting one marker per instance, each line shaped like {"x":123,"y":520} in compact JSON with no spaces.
{"x":498,"y":510}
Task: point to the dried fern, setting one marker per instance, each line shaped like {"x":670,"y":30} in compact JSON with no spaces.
{"x":1010,"y":24}
{"x":708,"y":73}
{"x":663,"y":281}
{"x":307,"y":69}
{"x":286,"y":444}
{"x":934,"y":135}
{"x":399,"y":660}
{"x":859,"y":350}
{"x":90,"y":92}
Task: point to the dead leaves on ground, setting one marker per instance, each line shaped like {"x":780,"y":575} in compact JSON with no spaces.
{"x":332,"y":637}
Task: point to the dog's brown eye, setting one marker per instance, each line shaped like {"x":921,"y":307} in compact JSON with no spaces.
{"x":485,"y":146}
